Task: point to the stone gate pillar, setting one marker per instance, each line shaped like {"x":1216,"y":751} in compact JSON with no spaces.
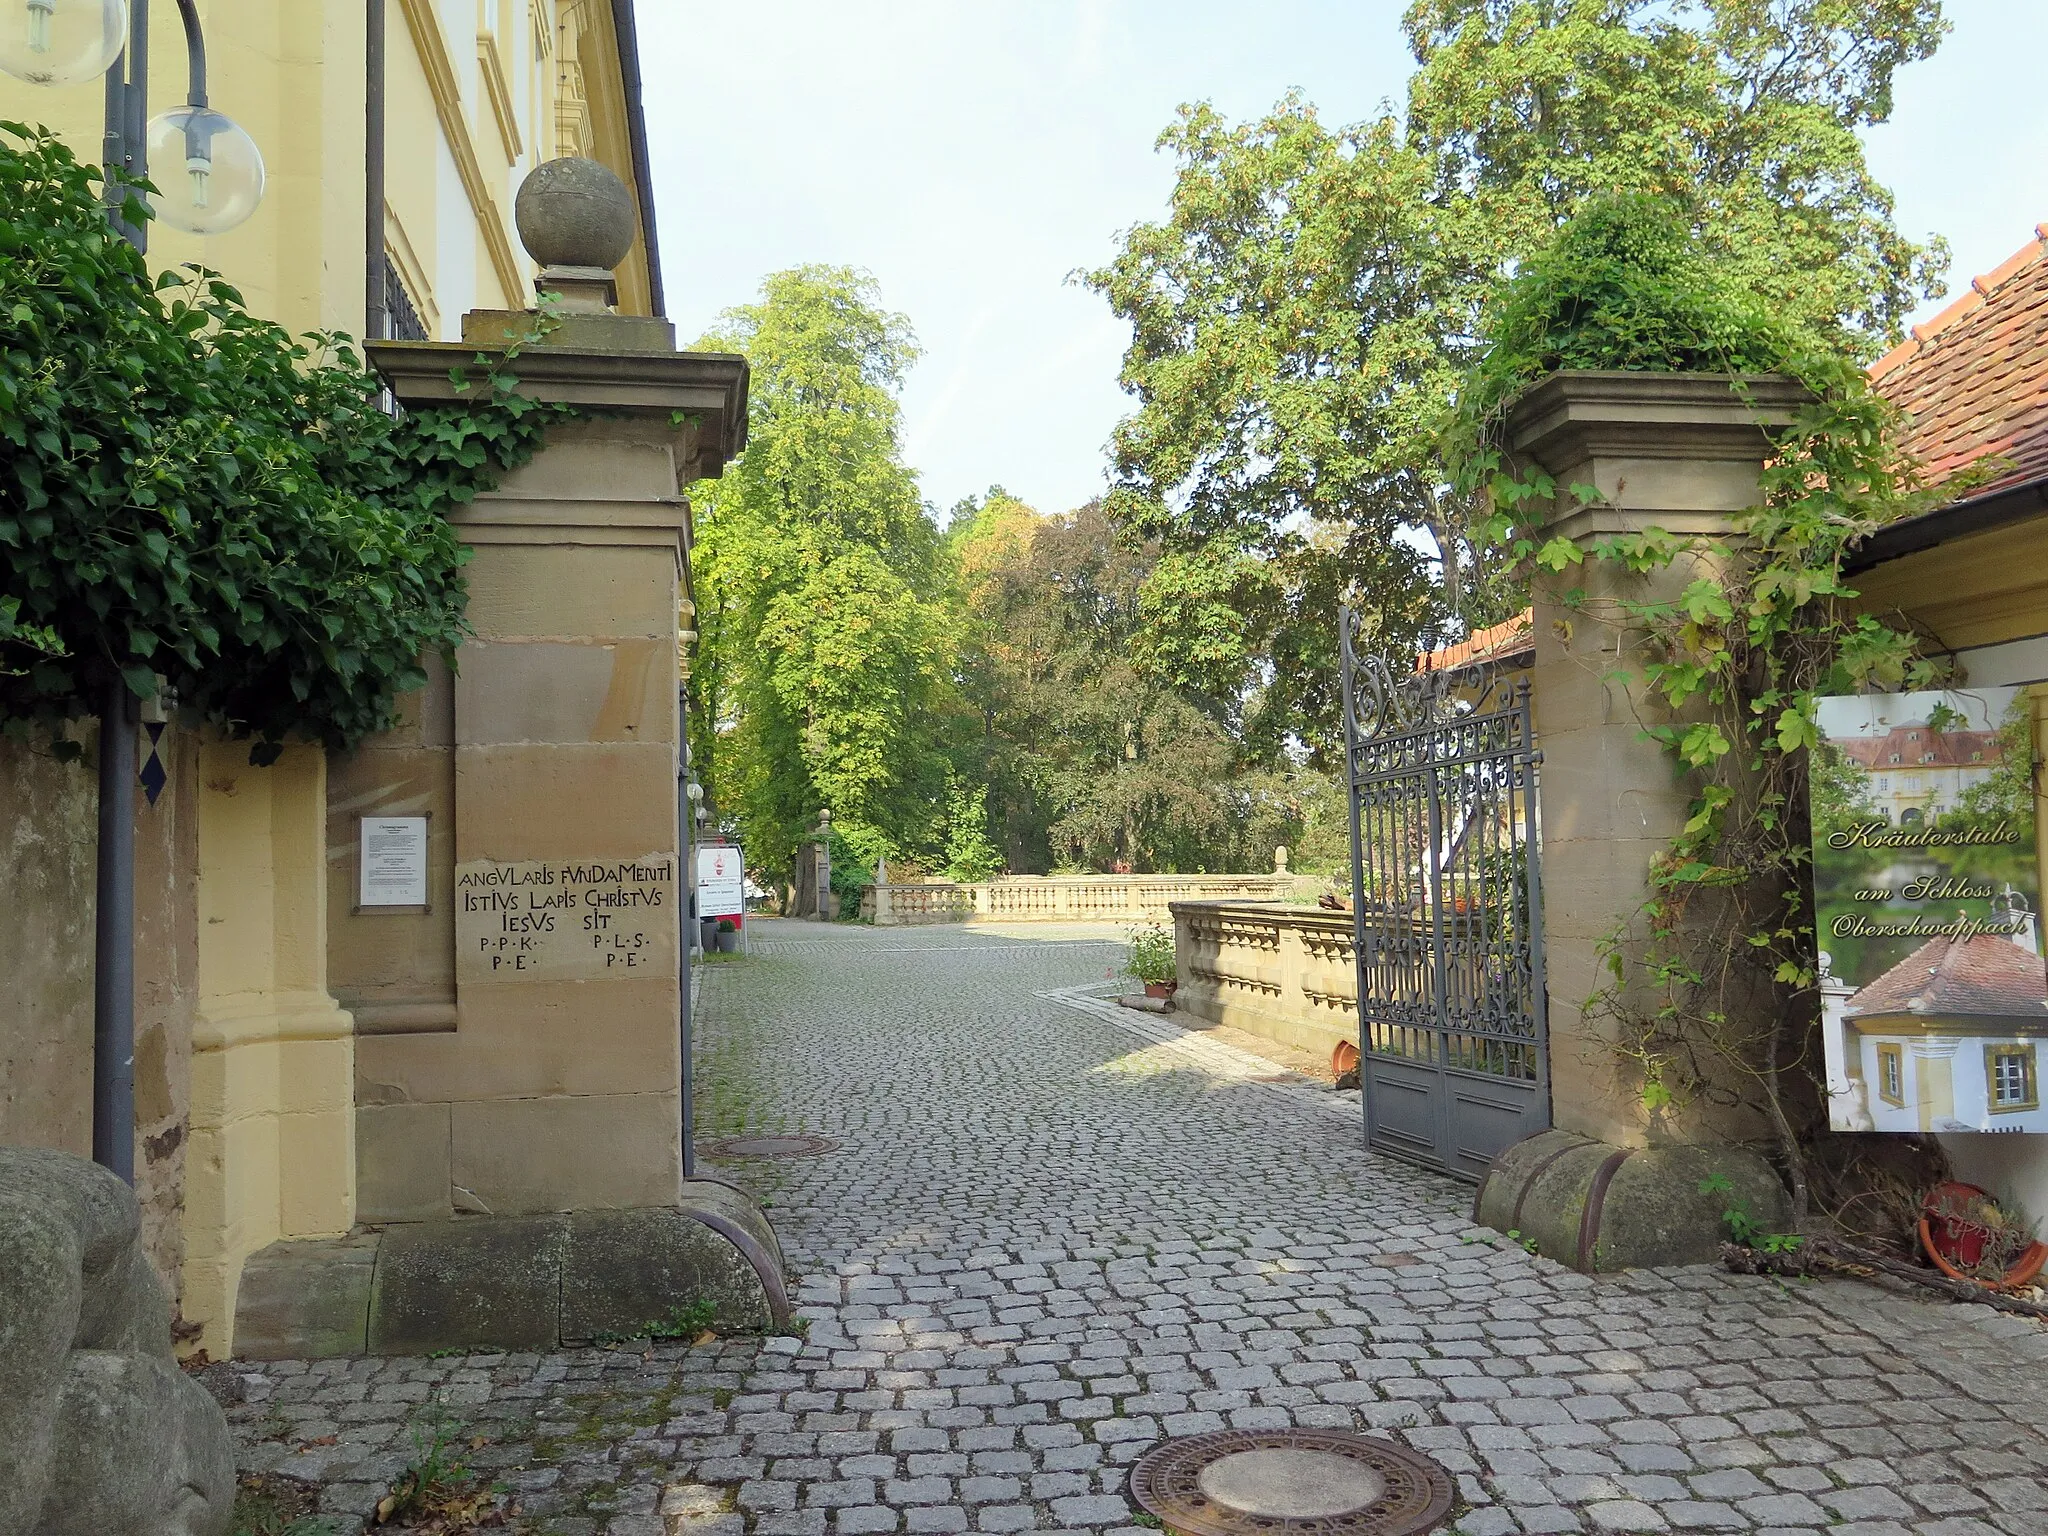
{"x":518,"y":1046}
{"x":1680,"y":452}
{"x":1611,"y":1187}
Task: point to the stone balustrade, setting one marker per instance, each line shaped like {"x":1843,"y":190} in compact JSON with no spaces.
{"x":1284,"y":972}
{"x":929,"y":901}
{"x":1062,"y":898}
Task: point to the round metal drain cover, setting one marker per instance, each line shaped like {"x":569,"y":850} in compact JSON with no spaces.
{"x":770,"y":1146}
{"x":1318,"y":1482}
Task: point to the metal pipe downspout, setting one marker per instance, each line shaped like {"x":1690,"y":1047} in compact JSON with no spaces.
{"x":134,"y":123}
{"x":627,"y":31}
{"x":376,"y":311}
{"x":113,"y":983}
{"x":686,"y":921}
{"x":125,"y":149}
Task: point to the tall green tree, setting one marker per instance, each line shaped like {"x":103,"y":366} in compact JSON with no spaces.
{"x":1091,"y":758}
{"x":1302,"y":315}
{"x":825,"y":637}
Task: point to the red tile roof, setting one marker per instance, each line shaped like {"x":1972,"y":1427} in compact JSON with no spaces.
{"x":1987,"y":974}
{"x":1512,"y":638}
{"x":1973,"y":381}
{"x":1915,"y":746}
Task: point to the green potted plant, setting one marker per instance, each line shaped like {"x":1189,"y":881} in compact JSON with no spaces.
{"x":1152,"y":960}
{"x":728,"y":936}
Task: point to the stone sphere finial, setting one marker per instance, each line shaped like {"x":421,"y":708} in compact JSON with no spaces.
{"x":575,"y":212}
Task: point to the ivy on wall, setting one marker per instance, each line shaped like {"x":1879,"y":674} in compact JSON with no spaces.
{"x":1713,"y":983}
{"x":192,"y":494}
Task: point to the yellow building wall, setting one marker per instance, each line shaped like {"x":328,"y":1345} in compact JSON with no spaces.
{"x":293,"y":76}
{"x":272,"y":1146}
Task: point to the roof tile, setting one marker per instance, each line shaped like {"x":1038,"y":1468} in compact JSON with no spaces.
{"x":1971,"y":381}
{"x":1987,"y":974}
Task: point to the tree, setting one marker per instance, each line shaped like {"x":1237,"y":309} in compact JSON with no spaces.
{"x":1301,"y":318}
{"x":1090,"y":759}
{"x":824,"y":672}
{"x":970,"y":855}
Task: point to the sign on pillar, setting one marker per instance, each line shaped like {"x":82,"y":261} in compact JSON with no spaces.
{"x":566,"y":920}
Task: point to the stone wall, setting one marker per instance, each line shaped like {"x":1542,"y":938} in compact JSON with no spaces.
{"x":46,"y":880}
{"x":242,"y":1074}
{"x":1064,"y":898}
{"x":1287,"y":973}
{"x":48,"y":851}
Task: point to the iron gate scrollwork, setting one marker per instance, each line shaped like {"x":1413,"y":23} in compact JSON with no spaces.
{"x":1446,"y":902}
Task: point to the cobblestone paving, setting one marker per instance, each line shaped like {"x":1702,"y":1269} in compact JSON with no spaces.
{"x":1051,"y":1236}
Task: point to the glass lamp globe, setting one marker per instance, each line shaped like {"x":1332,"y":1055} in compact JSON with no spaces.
{"x":61,"y":42}
{"x":208,"y":171}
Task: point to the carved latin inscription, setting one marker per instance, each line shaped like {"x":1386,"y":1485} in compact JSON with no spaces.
{"x":566,"y":919}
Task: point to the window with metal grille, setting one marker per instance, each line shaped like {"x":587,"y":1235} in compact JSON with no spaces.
{"x":406,"y":324}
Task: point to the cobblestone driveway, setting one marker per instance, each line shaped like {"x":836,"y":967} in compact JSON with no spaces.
{"x":1052,"y":1235}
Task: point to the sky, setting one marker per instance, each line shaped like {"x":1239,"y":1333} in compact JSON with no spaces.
{"x":972,"y":154}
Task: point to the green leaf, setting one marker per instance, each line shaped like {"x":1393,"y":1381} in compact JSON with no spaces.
{"x":1796,"y":731}
{"x":1704,"y":602}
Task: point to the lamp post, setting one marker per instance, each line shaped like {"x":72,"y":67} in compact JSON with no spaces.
{"x":690,"y":834}
{"x":68,"y":42}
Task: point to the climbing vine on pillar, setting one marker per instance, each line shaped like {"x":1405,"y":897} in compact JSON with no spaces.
{"x":195,"y":495}
{"x":1712,"y":985}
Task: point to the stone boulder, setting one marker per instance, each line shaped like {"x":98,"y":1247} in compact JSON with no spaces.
{"x":101,"y":1434}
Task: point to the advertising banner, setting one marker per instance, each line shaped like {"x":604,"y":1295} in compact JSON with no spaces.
{"x":1926,"y":889}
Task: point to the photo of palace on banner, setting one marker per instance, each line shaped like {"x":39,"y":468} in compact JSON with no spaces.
{"x":1934,"y":992}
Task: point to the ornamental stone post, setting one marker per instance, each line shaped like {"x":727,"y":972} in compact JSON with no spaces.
{"x":1612,"y":1186}
{"x":517,"y":1027}
{"x":507,"y":875}
{"x":1681,"y":452}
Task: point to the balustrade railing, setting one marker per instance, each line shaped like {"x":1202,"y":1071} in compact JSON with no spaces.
{"x":1063,"y":898}
{"x":1283,"y":972}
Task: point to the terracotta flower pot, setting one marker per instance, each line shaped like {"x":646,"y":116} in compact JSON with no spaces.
{"x":1952,"y":1241}
{"x":1956,"y":1246}
{"x":1160,"y":989}
{"x":1343,"y":1058}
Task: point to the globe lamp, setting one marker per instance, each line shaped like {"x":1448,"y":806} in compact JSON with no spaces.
{"x":61,"y":42}
{"x":208,"y":170}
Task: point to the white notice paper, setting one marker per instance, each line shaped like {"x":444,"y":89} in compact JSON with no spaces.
{"x":393,"y":862}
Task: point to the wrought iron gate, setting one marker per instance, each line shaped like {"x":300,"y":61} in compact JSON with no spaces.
{"x":1446,"y":897}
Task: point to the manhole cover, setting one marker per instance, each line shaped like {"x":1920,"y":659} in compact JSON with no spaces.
{"x":769,"y":1146}
{"x":1318,"y":1482}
